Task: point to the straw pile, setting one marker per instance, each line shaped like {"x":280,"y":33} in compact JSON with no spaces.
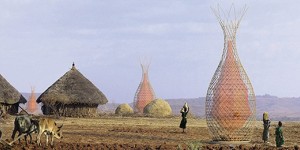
{"x":124,"y":109}
{"x":158,"y":108}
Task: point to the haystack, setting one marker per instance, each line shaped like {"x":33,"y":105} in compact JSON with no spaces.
{"x":72,"y":95}
{"x":124,"y":109}
{"x":158,"y":108}
{"x":10,"y":98}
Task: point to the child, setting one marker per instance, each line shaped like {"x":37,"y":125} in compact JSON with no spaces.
{"x":279,"y":137}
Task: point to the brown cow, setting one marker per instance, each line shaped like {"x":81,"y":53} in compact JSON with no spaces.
{"x":48,"y":127}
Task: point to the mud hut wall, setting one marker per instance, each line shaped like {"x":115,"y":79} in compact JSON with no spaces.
{"x":78,"y":110}
{"x":71,"y":110}
{"x":10,"y":108}
{"x":47,"y":110}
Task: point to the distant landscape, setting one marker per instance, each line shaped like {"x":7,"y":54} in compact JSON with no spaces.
{"x":279,"y":108}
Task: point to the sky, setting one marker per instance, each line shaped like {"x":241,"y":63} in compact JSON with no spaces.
{"x":39,"y":41}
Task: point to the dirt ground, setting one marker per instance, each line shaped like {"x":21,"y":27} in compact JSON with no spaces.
{"x":112,"y":132}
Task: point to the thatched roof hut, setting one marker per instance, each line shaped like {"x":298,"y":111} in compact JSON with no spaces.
{"x":72,"y":95}
{"x":10,"y":98}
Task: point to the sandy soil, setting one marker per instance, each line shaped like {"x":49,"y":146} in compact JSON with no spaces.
{"x":145,"y":133}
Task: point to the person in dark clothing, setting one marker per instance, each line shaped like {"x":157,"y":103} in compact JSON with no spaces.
{"x":278,"y":135}
{"x":184,"y":111}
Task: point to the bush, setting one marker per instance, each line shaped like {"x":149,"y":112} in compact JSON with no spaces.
{"x":158,"y":108}
{"x":124,"y":109}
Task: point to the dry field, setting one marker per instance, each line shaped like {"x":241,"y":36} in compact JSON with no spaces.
{"x":111,"y":132}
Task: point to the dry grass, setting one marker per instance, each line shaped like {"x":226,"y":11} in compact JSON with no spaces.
{"x":148,"y":131}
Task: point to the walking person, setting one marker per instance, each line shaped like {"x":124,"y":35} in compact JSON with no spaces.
{"x":184,"y":111}
{"x":266,"y":123}
{"x":278,"y":135}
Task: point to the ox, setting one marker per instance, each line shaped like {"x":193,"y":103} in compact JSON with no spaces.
{"x":48,"y":127}
{"x":24,"y":125}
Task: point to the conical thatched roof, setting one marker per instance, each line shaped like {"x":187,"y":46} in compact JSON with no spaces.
{"x":73,"y":88}
{"x":8,"y":94}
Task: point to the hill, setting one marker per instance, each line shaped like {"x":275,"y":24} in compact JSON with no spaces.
{"x":285,"y":108}
{"x":279,"y":108}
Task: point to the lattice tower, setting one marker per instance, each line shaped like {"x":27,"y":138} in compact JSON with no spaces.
{"x":32,"y":105}
{"x":230,"y":99}
{"x":145,"y":93}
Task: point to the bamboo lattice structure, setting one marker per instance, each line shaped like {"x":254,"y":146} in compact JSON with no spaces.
{"x":230,"y":99}
{"x":145,"y":93}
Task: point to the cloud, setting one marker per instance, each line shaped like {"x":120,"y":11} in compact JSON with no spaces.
{"x":107,"y":38}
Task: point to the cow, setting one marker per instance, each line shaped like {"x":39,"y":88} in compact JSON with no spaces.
{"x":24,"y":125}
{"x":48,"y":127}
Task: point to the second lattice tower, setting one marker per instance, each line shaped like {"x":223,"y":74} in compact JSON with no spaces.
{"x":145,"y":93}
